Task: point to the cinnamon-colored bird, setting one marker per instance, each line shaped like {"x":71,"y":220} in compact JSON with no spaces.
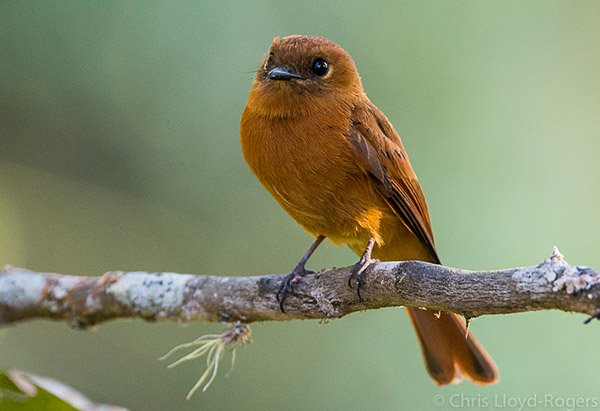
{"x":334,"y":162}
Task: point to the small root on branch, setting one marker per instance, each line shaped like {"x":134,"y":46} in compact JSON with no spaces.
{"x":214,"y":347}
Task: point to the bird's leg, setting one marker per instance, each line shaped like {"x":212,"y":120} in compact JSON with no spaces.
{"x":297,"y":273}
{"x":363,"y":263}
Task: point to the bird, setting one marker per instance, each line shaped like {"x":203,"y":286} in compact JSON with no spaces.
{"x":334,"y":162}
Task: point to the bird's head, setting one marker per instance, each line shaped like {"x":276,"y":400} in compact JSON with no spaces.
{"x":302,"y":75}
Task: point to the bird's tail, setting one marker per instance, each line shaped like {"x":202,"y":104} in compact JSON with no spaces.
{"x":448,"y":352}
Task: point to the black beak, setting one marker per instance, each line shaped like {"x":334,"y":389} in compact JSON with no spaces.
{"x":281,"y":73}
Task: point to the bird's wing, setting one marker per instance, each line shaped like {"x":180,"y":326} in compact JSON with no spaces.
{"x":379,"y":153}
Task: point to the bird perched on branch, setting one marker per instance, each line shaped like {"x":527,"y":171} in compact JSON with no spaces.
{"x":335,"y":163}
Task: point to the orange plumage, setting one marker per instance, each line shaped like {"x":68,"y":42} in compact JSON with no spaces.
{"x":334,"y":162}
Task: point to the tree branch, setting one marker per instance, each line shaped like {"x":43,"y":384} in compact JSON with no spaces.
{"x":553,"y":284}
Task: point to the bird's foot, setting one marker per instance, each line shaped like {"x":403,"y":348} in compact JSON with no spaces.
{"x":360,"y":267}
{"x":358,"y":271}
{"x":288,"y":283}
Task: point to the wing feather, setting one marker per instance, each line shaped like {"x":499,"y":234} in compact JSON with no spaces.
{"x":378,"y":151}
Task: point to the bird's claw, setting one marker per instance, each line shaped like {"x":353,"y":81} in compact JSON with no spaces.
{"x":358,"y":270}
{"x":288,"y":284}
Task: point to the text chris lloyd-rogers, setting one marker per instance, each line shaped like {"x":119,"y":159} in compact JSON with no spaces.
{"x":534,"y":401}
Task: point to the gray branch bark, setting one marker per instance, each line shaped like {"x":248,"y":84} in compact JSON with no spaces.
{"x":83,"y":301}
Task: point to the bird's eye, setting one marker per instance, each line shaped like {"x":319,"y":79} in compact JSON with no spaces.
{"x":320,"y":67}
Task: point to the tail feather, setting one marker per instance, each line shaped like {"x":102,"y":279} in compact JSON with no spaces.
{"x":448,"y":352}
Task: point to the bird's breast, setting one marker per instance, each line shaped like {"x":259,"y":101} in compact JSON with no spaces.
{"x":306,"y":165}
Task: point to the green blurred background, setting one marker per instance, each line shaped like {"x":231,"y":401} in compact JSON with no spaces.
{"x":119,"y":150}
